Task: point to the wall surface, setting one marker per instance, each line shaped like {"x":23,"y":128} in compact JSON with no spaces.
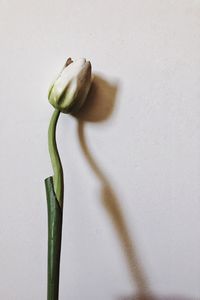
{"x":131,"y":160}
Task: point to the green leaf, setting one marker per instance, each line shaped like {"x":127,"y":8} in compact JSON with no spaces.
{"x":54,"y":239}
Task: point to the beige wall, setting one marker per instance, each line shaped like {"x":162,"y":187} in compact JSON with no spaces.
{"x":132,"y":172}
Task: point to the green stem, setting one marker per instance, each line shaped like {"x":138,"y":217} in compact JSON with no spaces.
{"x":54,"y":192}
{"x":55,"y":158}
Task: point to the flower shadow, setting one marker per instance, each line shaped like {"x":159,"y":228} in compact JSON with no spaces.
{"x":100,"y":101}
{"x":99,"y":107}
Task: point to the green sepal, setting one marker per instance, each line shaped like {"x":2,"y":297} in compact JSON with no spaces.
{"x":54,"y":240}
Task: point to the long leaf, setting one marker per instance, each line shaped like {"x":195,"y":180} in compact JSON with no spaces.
{"x":54,"y":240}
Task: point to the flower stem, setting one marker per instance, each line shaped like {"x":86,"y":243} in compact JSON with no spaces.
{"x":54,"y":192}
{"x":55,"y":158}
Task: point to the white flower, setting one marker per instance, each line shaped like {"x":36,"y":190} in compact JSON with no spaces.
{"x":71,"y":87}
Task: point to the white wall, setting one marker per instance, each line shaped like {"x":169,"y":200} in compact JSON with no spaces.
{"x":132,"y":210}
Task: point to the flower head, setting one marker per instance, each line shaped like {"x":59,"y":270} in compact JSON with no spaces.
{"x":72,"y":85}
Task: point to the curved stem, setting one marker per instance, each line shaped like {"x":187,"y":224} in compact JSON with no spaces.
{"x":55,"y":158}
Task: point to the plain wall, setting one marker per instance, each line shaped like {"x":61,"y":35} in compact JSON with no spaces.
{"x":132,"y":165}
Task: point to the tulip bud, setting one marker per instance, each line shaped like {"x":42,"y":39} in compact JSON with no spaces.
{"x":71,"y":87}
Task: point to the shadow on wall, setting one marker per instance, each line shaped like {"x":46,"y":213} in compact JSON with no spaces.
{"x":99,"y":107}
{"x":155,"y":298}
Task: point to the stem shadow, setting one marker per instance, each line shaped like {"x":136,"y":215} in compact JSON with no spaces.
{"x":113,"y":208}
{"x":99,"y":106}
